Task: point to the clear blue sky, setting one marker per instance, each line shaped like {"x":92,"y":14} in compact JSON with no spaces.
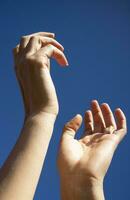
{"x":96,"y":38}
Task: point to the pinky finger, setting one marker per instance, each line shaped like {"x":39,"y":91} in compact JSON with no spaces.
{"x":121,"y":119}
{"x":121,"y":122}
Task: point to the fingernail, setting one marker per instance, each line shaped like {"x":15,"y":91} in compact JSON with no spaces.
{"x":118,"y":109}
{"x":67,"y":64}
{"x":62,"y":47}
{"x":94,"y":101}
{"x":78,"y":115}
{"x":53,"y":34}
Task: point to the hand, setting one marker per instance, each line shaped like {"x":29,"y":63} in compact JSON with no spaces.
{"x":85,"y":160}
{"x":32,"y":67}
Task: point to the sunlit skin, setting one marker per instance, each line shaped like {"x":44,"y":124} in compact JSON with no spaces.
{"x":20,"y":173}
{"x":32,"y":66}
{"x":83,"y":163}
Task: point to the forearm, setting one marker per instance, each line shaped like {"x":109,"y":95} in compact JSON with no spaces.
{"x":21,"y":171}
{"x":89,"y":191}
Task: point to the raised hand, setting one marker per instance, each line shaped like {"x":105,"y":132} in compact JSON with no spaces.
{"x":20,"y":173}
{"x":32,"y":66}
{"x":86,"y":160}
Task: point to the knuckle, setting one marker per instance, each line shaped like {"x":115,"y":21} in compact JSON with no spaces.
{"x":50,"y":46}
{"x":65,"y":127}
{"x":23,"y":38}
{"x":33,"y":37}
{"x":15,"y":50}
{"x":28,"y":58}
{"x":41,"y":32}
{"x":97,"y":112}
{"x":50,"y":39}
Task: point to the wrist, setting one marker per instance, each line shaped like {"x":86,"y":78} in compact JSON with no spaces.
{"x":41,"y":120}
{"x":86,"y":190}
{"x":40,"y":115}
{"x":50,"y":111}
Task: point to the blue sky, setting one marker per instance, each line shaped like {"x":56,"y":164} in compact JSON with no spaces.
{"x":96,"y":38}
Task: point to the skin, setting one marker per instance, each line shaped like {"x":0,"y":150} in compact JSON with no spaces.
{"x":83,"y":163}
{"x":20,"y":173}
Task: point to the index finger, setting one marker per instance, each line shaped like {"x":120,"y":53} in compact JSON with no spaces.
{"x":47,"y":34}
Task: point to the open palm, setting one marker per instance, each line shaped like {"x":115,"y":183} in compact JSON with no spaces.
{"x":91,"y":155}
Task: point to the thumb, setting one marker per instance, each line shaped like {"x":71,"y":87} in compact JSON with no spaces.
{"x":72,"y":126}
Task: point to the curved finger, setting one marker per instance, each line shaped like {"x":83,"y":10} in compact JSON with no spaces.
{"x":34,"y":44}
{"x":37,"y":42}
{"x":46,"y":40}
{"x":99,"y":123}
{"x":121,"y":119}
{"x":51,"y":51}
{"x":25,"y":39}
{"x":121,"y":124}
{"x":108,"y":115}
{"x":88,"y":122}
{"x":46,"y":34}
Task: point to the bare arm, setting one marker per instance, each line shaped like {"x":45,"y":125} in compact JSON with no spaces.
{"x":20,"y":173}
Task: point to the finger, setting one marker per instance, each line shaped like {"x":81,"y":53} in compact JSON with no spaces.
{"x":25,"y":39}
{"x":16,"y":51}
{"x":36,"y":42}
{"x":47,"y":40}
{"x":51,"y":51}
{"x":99,"y":123}
{"x":88,"y":122}
{"x":46,"y":34}
{"x":23,"y":42}
{"x":72,"y":126}
{"x":108,"y":115}
{"x":121,"y":124}
{"x":121,"y":119}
